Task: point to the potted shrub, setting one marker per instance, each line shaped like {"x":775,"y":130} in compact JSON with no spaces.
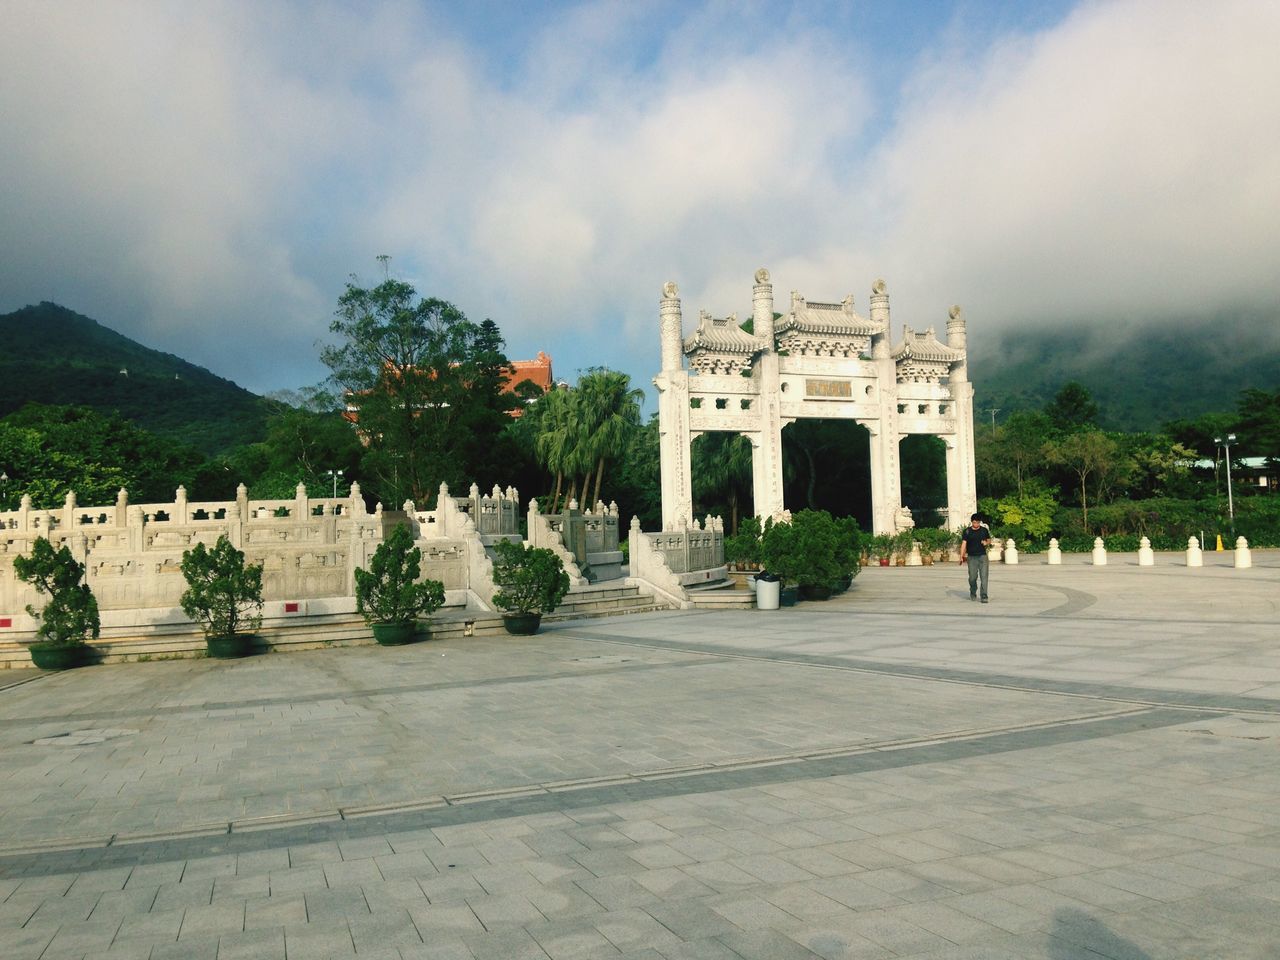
{"x":849,"y":554}
{"x":71,"y":613}
{"x":743,"y":548}
{"x":531,"y":581}
{"x":881,"y":547}
{"x":780,"y":558}
{"x":812,"y":553}
{"x":224,"y":596}
{"x":389,"y":595}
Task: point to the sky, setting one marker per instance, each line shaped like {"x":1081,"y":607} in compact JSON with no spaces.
{"x":206,"y":177}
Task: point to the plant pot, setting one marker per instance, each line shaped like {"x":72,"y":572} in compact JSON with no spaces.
{"x":395,"y":634}
{"x":845,"y":583}
{"x":230,"y":647}
{"x":522,"y":624}
{"x":813,"y":591}
{"x":884,"y":561}
{"x":49,"y":656}
{"x":788,"y":596}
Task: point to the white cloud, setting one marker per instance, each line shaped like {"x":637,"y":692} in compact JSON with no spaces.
{"x":1121,"y":165}
{"x":204,"y":177}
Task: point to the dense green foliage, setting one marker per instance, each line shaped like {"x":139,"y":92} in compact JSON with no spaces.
{"x":1055,"y":473}
{"x":529,"y":579}
{"x":813,"y":549}
{"x":389,"y":591}
{"x":71,"y":613}
{"x":427,"y":382}
{"x":224,"y":594}
{"x":55,"y":356}
{"x":1140,"y":376}
{"x":575,"y":433}
{"x":48,"y":451}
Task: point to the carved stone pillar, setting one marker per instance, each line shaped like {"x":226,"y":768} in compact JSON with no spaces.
{"x":673,"y":430}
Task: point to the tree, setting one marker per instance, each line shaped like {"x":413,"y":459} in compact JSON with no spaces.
{"x":610,"y":412}
{"x":1259,"y":423}
{"x":1021,"y":441}
{"x":556,"y":427}
{"x":71,"y":612}
{"x":416,"y":369}
{"x":721,"y":468}
{"x":48,"y":451}
{"x":224,"y":594}
{"x":1072,"y":408}
{"x":1089,"y":453}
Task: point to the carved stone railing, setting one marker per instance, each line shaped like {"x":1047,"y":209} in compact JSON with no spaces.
{"x":309,"y":548}
{"x":547,"y":531}
{"x":590,"y":538}
{"x":669,"y":561}
{"x":700,"y":547}
{"x":453,"y":550}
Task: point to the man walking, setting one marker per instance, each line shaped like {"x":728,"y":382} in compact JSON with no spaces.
{"x":973,"y":551}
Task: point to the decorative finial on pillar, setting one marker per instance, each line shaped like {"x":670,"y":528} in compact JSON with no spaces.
{"x":880,"y":316}
{"x":762,"y":309}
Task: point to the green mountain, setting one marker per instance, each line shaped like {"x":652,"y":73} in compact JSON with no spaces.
{"x":1141,"y":376}
{"x":56,"y":356}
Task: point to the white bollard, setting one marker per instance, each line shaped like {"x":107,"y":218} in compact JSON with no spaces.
{"x":1055,"y":551}
{"x":1010,"y":551}
{"x":1099,"y":553}
{"x":1146,"y":556}
{"x":1244,"y":559}
{"x":1195,"y":556}
{"x":914,"y":559}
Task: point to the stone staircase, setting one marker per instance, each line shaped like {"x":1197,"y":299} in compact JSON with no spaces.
{"x":721,"y":595}
{"x":183,"y":641}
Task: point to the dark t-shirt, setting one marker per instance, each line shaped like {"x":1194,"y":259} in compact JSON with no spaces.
{"x":973,"y":545}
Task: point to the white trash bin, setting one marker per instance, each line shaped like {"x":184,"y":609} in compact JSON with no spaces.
{"x":767,"y":593}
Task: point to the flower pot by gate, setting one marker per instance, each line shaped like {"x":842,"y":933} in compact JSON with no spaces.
{"x":230,"y":647}
{"x":48,"y":656}
{"x":395,"y":634}
{"x":522,"y":624}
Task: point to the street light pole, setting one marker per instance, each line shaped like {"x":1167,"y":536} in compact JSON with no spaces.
{"x":334,"y":475}
{"x":994,"y":411}
{"x":1231,"y":506}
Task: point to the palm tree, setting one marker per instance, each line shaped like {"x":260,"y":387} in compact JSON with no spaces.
{"x":609,"y":411}
{"x":722,"y":467}
{"x":558,"y":443}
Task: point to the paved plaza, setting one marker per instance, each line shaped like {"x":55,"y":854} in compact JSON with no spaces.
{"x":1088,"y":767}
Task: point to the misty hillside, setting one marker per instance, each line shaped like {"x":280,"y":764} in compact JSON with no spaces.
{"x":56,"y":356}
{"x":1141,"y":377}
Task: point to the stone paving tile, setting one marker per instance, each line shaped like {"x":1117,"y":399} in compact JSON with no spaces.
{"x":1161,"y":839}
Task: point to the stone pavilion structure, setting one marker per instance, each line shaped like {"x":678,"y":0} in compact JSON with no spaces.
{"x":820,"y":361}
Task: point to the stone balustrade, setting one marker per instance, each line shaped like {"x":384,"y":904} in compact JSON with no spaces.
{"x":588,"y":539}
{"x":309,"y":547}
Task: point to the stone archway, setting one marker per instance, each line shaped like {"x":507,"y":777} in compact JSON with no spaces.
{"x":819,"y":360}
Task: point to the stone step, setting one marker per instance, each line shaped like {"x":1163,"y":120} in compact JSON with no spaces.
{"x":184,"y":641}
{"x":723,"y":599}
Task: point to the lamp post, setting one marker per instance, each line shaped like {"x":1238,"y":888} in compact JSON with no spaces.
{"x":334,"y":475}
{"x":1231,"y":506}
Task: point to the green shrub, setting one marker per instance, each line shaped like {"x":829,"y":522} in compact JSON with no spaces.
{"x":224,"y":594}
{"x":71,"y":613}
{"x":813,"y":550}
{"x":530,"y":579}
{"x":389,"y":591}
{"x":744,"y":547}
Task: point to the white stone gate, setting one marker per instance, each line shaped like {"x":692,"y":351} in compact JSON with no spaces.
{"x":819,"y":361}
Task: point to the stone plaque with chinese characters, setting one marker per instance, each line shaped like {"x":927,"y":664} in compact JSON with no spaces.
{"x":828,"y":389}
